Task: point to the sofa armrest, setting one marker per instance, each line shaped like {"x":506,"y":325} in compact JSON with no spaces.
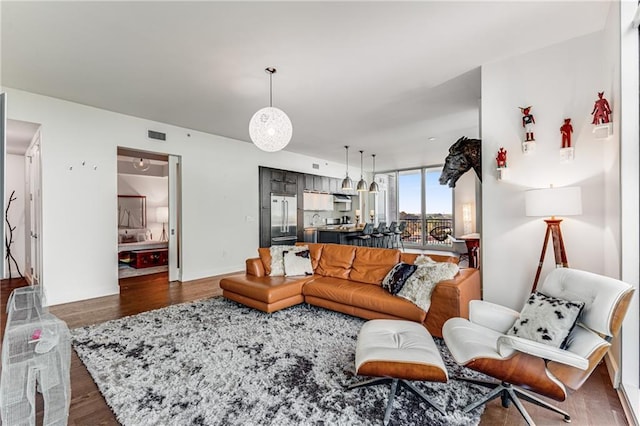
{"x":450,"y":298}
{"x":255,"y":267}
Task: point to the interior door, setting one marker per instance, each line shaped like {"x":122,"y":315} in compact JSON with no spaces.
{"x":33,"y":255}
{"x":175,"y":219}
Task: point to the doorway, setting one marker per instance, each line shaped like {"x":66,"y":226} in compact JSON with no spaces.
{"x":148,"y":212}
{"x":23,"y":200}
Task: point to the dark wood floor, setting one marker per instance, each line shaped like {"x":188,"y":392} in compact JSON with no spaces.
{"x":596,"y":403}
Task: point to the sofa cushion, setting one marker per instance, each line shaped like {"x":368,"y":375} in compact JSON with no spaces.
{"x":335,"y":261}
{"x":371,"y":265}
{"x":369,"y":297}
{"x":265,"y":289}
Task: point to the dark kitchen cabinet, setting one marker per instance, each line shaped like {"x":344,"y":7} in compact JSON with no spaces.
{"x":308,"y":182}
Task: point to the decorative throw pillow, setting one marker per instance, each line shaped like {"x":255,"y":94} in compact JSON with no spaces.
{"x":421,"y":283}
{"x":547,"y":320}
{"x":397,"y":276}
{"x":297,"y":263}
{"x":277,"y":258}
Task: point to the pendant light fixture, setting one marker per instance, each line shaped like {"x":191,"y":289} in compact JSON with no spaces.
{"x":362,"y":184}
{"x":347,"y":183}
{"x":270,"y":129}
{"x":374,"y":186}
{"x":141,"y":164}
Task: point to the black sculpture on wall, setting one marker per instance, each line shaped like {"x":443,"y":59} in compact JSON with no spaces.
{"x":463,"y":155}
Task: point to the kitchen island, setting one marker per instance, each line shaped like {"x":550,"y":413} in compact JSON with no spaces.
{"x":337,"y":235}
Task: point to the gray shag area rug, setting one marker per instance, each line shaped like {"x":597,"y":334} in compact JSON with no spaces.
{"x":215,"y":362}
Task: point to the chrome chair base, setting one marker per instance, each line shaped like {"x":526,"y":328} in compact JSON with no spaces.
{"x":395,"y":386}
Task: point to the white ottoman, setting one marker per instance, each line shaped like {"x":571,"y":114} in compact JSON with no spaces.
{"x":396,"y":351}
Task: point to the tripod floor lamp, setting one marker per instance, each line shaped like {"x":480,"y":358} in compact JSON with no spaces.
{"x":553,"y":202}
{"x":162,"y":216}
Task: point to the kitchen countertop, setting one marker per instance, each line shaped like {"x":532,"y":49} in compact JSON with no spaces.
{"x":338,"y":228}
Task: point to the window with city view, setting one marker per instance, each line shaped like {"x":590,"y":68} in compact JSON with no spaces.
{"x":425,"y":206}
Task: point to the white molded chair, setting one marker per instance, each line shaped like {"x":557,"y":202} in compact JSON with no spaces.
{"x":480,"y":343}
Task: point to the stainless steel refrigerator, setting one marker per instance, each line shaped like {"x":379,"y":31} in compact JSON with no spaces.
{"x":284,"y":219}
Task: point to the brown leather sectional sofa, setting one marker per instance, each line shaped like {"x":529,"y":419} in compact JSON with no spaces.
{"x":348,"y":279}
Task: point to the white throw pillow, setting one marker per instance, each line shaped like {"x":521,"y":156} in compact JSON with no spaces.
{"x":297,"y":263}
{"x":547,"y":320}
{"x":277,"y":258}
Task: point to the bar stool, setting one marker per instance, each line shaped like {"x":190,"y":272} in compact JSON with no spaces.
{"x":400,"y":232}
{"x":363,"y":239}
{"x":390,"y":234}
{"x":378,"y":235}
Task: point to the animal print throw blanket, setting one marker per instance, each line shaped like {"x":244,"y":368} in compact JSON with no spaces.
{"x":421,"y":283}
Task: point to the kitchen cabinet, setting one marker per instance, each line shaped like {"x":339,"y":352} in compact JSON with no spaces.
{"x":315,"y":183}
{"x":317,"y":202}
{"x":335,"y":185}
{"x":279,"y":182}
{"x":320,"y":183}
{"x":308,"y":182}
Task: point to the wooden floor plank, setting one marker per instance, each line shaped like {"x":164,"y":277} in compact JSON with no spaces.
{"x":596,"y":403}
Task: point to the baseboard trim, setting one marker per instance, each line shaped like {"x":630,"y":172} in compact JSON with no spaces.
{"x":613,"y":369}
{"x":627,"y":408}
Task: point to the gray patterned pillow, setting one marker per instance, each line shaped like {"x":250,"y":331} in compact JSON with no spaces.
{"x":547,"y":320}
{"x":397,"y":276}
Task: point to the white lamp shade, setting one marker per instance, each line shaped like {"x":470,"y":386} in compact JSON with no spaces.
{"x":162,"y":214}
{"x":270,"y":129}
{"x":554,"y":201}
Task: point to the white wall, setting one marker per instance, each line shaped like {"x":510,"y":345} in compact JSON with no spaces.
{"x":219,"y":184}
{"x":15,"y":181}
{"x":559,"y":81}
{"x":465,"y":193}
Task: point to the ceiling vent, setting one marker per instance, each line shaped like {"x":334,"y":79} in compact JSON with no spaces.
{"x":157,"y":135}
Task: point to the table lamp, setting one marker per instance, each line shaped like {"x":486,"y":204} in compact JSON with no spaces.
{"x":553,"y":202}
{"x":162,"y":216}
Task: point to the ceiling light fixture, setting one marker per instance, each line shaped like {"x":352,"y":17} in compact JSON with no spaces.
{"x":270,"y":129}
{"x":362,"y":184}
{"x":347,"y":183}
{"x":374,"y":186}
{"x":141,"y":164}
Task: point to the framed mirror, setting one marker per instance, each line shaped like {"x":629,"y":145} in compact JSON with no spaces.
{"x":132,"y":211}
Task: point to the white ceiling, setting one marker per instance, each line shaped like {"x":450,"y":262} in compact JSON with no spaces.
{"x":379,"y":76}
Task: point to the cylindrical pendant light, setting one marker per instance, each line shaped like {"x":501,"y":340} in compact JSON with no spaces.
{"x":270,"y":129}
{"x":374,"y":186}
{"x":347,"y":183}
{"x":362,"y":184}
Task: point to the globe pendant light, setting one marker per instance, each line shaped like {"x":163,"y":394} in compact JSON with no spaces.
{"x":374,"y":186}
{"x":347,"y":183}
{"x":362,"y":184}
{"x":270,"y":129}
{"x":141,"y":164}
